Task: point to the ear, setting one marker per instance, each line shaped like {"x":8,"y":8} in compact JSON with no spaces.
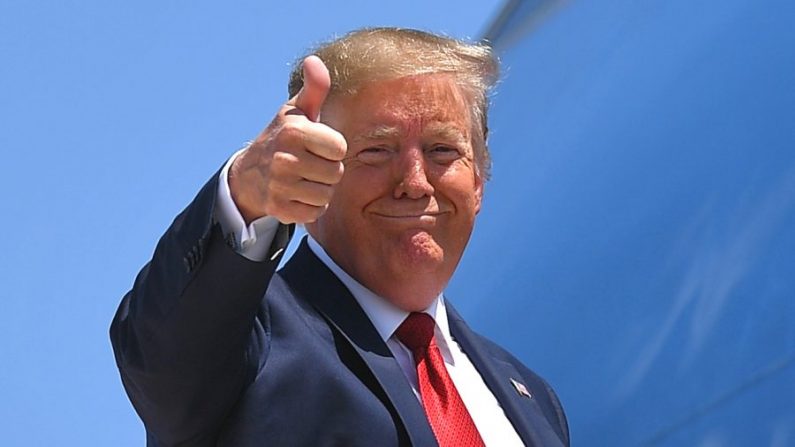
{"x":478,"y":190}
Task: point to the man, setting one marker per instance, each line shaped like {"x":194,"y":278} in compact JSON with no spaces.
{"x":381,"y":154}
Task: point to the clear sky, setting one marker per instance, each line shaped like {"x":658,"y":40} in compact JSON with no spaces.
{"x":113,"y":115}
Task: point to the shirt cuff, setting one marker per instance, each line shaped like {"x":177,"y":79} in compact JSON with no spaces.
{"x":252,"y":241}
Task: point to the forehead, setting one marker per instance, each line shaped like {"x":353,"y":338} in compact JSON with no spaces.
{"x":424,"y":102}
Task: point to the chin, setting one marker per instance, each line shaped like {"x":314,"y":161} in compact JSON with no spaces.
{"x":420,"y":251}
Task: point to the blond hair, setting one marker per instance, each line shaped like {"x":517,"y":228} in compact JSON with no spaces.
{"x":380,"y":54}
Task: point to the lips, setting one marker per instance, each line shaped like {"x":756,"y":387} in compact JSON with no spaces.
{"x":409,"y":215}
{"x":423,"y":219}
{"x":410,"y":211}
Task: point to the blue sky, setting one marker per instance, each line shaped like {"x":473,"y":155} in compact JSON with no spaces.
{"x":113,"y":115}
{"x":638,"y":225}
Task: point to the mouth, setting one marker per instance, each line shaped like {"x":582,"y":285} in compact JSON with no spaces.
{"x":422,"y":217}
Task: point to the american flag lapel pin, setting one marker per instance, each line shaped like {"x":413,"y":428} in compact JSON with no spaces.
{"x":521,"y":389}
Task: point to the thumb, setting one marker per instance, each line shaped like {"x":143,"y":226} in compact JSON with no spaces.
{"x":317,"y":83}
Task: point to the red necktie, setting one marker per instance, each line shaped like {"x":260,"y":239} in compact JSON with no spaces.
{"x":449,"y":418}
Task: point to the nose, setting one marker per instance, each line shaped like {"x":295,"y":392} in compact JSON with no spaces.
{"x":411,"y":174}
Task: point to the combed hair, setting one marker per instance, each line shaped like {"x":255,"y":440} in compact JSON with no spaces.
{"x":380,"y":54}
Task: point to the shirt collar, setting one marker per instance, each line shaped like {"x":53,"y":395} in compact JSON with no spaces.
{"x":385,"y":316}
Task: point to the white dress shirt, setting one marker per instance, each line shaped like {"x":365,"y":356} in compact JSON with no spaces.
{"x":253,"y":243}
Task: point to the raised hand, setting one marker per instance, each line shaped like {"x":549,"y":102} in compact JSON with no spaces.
{"x":290,"y":170}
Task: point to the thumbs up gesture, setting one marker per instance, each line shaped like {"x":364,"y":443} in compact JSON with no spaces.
{"x":290,"y":170}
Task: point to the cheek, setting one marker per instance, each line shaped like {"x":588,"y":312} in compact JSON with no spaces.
{"x":359,"y":187}
{"x":459,"y":185}
{"x":363,"y":183}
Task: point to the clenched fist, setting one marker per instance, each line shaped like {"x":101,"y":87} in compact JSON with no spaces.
{"x":290,"y":170}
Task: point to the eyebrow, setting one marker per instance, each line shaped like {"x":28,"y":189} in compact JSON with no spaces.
{"x":440,"y":130}
{"x":378,"y":133}
{"x":446,"y":132}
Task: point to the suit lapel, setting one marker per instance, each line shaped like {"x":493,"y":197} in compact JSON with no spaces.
{"x":523,"y":412}
{"x":315,"y":283}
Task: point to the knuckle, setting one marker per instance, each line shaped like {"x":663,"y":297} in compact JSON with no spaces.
{"x":280,"y":194}
{"x":275,"y":190}
{"x":283,"y":162}
{"x":292,"y":130}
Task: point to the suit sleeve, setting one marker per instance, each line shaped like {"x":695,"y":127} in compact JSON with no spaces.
{"x":184,"y":337}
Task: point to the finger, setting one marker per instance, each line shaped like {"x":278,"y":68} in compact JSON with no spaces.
{"x":306,"y":213}
{"x":325,"y":172}
{"x":311,"y":193}
{"x":305,"y":165}
{"x":324,"y":141}
{"x":297,"y":212}
{"x":317,"y":83}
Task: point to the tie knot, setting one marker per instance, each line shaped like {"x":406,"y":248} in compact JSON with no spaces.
{"x":416,"y":331}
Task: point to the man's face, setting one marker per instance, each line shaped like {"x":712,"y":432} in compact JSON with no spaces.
{"x":403,"y":212}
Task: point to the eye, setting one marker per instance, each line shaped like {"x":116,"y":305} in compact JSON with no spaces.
{"x":374,"y":155}
{"x":443,"y":154}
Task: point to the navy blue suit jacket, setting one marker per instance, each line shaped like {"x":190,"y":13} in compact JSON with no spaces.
{"x":215,"y":349}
